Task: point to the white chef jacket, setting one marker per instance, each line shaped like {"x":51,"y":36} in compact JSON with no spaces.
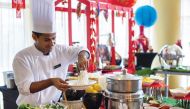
{"x":31,"y":65}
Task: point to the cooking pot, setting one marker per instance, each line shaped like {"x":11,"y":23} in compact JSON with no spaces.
{"x":130,"y":104}
{"x":10,"y":82}
{"x":113,"y":100}
{"x":124,"y":83}
{"x":7,"y":74}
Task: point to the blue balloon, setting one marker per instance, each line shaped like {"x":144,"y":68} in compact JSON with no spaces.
{"x":145,"y":16}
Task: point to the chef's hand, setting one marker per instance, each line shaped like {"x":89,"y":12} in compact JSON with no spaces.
{"x":83,"y":58}
{"x":60,"y":84}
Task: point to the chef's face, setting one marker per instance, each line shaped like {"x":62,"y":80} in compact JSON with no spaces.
{"x":44,"y":41}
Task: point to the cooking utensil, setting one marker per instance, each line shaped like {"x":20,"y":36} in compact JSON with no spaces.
{"x":115,"y":100}
{"x":124,"y":96}
{"x":10,"y":82}
{"x":66,"y":103}
{"x":124,"y":83}
{"x":92,"y":100}
{"x":72,"y":95}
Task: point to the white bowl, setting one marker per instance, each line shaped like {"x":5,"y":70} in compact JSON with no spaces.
{"x":179,"y":92}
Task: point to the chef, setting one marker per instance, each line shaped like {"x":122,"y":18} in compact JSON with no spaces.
{"x":41,"y":69}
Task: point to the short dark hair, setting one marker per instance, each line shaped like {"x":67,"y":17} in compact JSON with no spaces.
{"x":42,"y":34}
{"x":37,"y":33}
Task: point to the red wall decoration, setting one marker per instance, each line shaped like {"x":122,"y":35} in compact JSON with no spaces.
{"x":124,"y":3}
{"x":131,"y":61}
{"x":93,"y":29}
{"x":93,"y":41}
{"x":18,"y":5}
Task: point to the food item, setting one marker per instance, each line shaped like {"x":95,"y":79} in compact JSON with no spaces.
{"x":95,"y":88}
{"x":94,"y":91}
{"x":112,"y":67}
{"x":83,"y":78}
{"x":165,"y":107}
{"x":72,"y":78}
{"x":53,"y":106}
{"x":154,"y":103}
{"x":27,"y":106}
{"x":48,"y":106}
{"x":89,"y":89}
{"x":149,"y":99}
{"x":179,"y":92}
{"x":144,"y":72}
{"x":147,"y":80}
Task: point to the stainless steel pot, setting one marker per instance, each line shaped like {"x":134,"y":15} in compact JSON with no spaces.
{"x":124,"y":83}
{"x":9,"y":79}
{"x":123,"y":100}
{"x":130,"y":104}
{"x":7,"y":74}
{"x":10,"y":83}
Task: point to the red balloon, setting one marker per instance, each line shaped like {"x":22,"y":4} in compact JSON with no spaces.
{"x":124,"y":3}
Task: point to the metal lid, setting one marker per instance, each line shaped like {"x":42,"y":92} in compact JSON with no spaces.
{"x":124,"y":77}
{"x":124,"y":96}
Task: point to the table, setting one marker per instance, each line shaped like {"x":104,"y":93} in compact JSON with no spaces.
{"x":166,"y":73}
{"x":9,"y":97}
{"x":144,"y":59}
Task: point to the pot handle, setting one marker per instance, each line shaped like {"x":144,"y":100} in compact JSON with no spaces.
{"x":111,"y":82}
{"x":115,"y":99}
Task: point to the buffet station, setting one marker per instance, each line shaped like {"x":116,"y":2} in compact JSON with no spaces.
{"x":116,"y":90}
{"x":119,"y":89}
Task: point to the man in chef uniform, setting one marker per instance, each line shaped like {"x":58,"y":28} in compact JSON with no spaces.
{"x":40,"y":70}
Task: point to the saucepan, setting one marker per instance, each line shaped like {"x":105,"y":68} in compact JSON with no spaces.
{"x":124,"y":83}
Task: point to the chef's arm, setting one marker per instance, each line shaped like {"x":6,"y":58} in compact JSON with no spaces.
{"x":41,"y":85}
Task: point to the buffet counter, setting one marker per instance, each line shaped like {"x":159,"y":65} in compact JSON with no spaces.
{"x":9,"y":97}
{"x":166,"y":73}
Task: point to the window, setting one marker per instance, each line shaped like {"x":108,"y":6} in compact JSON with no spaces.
{"x":79,"y":31}
{"x":15,"y":33}
{"x":185,"y":30}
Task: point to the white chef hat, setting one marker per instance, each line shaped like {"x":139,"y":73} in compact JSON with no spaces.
{"x":43,"y":16}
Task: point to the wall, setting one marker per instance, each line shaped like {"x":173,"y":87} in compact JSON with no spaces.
{"x":167,"y":31}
